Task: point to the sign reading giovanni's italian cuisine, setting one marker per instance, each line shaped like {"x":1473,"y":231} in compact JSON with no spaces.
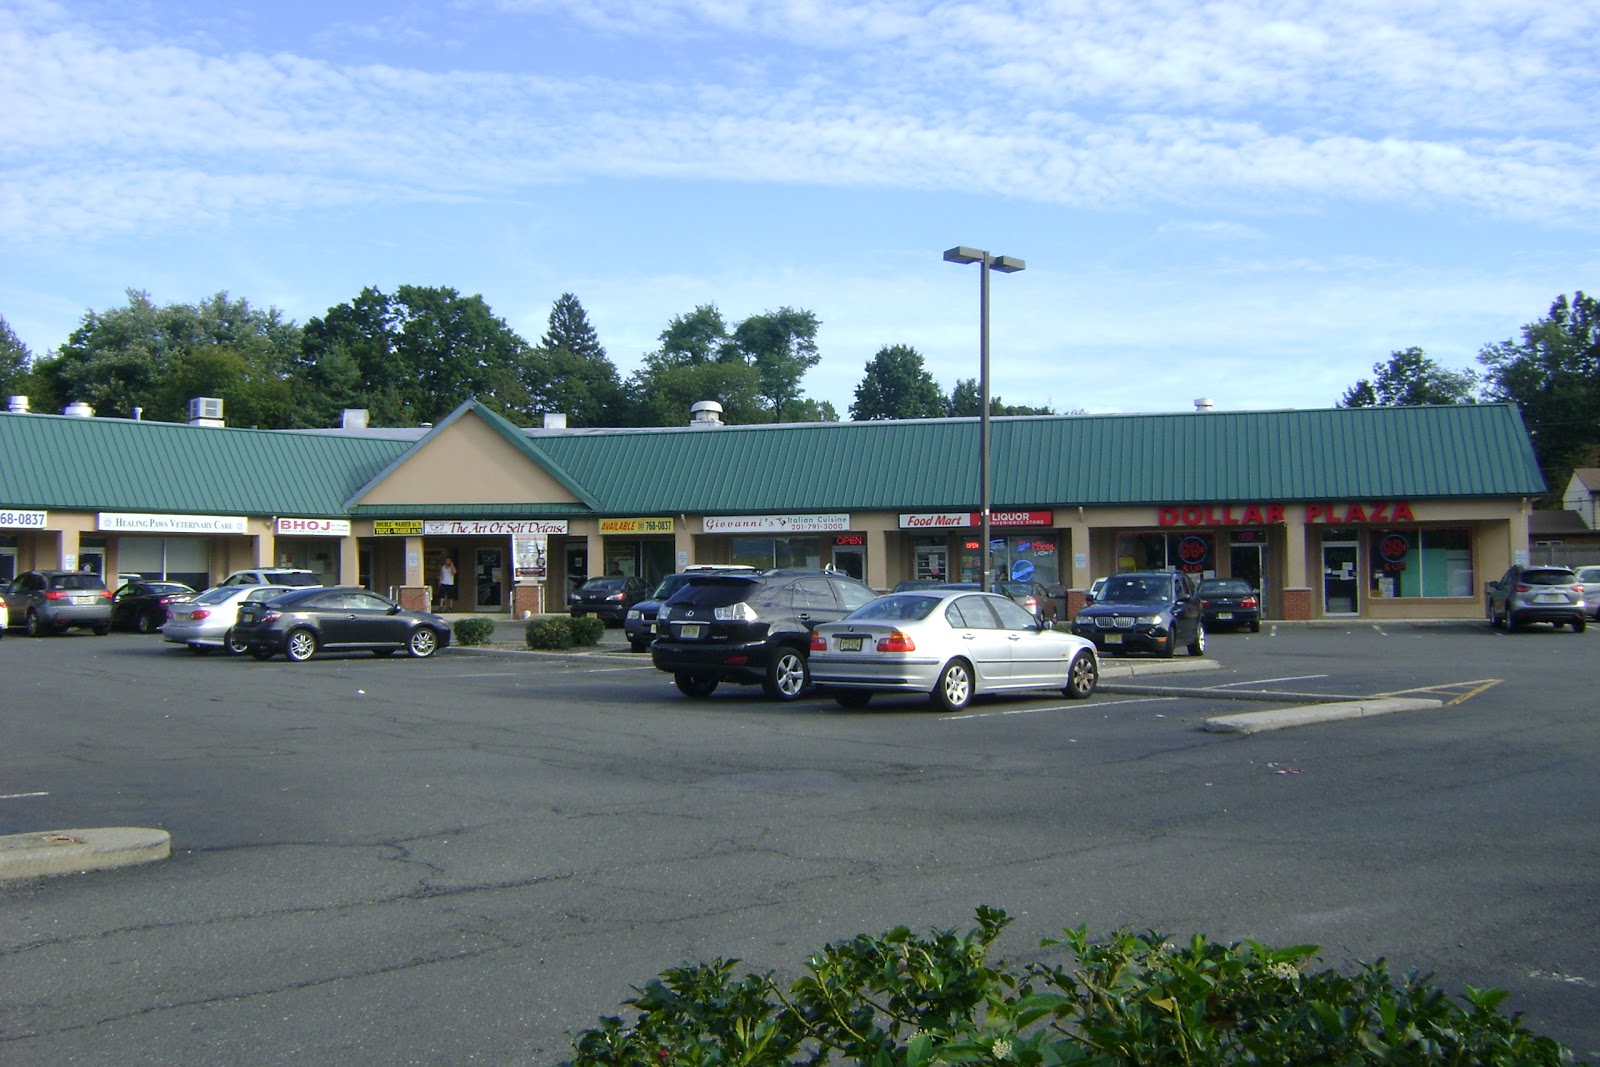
{"x":445,"y":527}
{"x":216,"y":524}
{"x":775,"y":523}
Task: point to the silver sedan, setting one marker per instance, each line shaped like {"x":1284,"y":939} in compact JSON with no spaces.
{"x":206,"y":622}
{"x":950,"y":644}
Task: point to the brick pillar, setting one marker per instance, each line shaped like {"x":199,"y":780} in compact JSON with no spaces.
{"x":528,"y":599}
{"x":1076,"y":599}
{"x":1297,"y":604}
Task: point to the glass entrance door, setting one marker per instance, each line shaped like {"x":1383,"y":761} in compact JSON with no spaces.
{"x":489,"y":578}
{"x":1244,"y":561}
{"x":1341,"y":587}
{"x":932,"y":563}
{"x":852,"y":559}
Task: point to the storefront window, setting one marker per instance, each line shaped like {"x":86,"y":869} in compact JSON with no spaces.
{"x":1028,"y":558}
{"x":1191,"y":552}
{"x":776,"y":551}
{"x":1422,"y":563}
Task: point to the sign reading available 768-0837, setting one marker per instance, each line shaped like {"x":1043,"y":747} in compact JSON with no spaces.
{"x":23,"y":520}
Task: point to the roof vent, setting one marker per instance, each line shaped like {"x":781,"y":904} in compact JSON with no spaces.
{"x":17,"y":405}
{"x":555,"y":420}
{"x":353,"y":419}
{"x":205,"y":411}
{"x":705,"y":413}
{"x":78,"y":410}
{"x":1203,"y":403}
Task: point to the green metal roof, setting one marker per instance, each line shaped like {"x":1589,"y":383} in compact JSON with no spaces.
{"x":1458,"y":451}
{"x":57,"y":461}
{"x":1092,"y":460}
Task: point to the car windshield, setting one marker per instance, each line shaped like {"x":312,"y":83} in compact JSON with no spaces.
{"x":1225,"y":587}
{"x":1135,"y":589}
{"x":1589,"y":574}
{"x":169,"y":587}
{"x":904,"y":607}
{"x":715,"y":592}
{"x":297,"y":578}
{"x":1548,"y":577}
{"x":219,"y":594}
{"x":604,"y":585}
{"x":669,"y":585}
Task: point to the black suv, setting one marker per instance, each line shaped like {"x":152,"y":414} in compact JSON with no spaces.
{"x":749,"y":628}
{"x":1144,"y":611}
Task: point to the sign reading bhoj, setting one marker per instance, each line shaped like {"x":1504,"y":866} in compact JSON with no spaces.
{"x":313,"y":527}
{"x":483,"y":527}
{"x":121,"y":522}
{"x":775,"y":523}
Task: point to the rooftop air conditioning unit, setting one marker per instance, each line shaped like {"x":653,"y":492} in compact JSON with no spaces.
{"x":205,"y":411}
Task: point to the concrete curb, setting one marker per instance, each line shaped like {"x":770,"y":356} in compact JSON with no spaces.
{"x":1254,"y":722}
{"x":76,"y":851}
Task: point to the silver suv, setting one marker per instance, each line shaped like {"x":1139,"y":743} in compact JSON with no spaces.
{"x":1537,"y":594}
{"x":291,"y":576}
{"x":46,"y":602}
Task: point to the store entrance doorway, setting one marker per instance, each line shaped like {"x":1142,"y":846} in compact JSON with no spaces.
{"x":1341,"y":588}
{"x":1244,"y":561}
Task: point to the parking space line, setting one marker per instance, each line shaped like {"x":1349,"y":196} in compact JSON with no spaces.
{"x":1054,"y":707}
{"x":1458,"y":692}
{"x":21,"y":796}
{"x":1267,"y":681}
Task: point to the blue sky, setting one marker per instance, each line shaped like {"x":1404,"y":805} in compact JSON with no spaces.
{"x":1249,"y":201}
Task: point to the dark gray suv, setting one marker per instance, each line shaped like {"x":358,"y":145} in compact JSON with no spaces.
{"x":1145,"y":611}
{"x":752,"y":629}
{"x":46,"y":602}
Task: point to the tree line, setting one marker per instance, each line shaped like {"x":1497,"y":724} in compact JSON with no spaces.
{"x":1551,"y":371}
{"x":413,"y":355}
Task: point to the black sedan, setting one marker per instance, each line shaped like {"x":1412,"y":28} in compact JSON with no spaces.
{"x":343,"y":618}
{"x":608,"y":598}
{"x":141,"y":605}
{"x":1230,"y":602}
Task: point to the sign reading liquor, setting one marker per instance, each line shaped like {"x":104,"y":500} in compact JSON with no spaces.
{"x":313,"y":527}
{"x":201,"y":524}
{"x":397,"y":527}
{"x":23,"y":520}
{"x":1340,"y":514}
{"x":480,"y":527}
{"x":961,"y":520}
{"x":775,"y":523}
{"x":636,"y":526}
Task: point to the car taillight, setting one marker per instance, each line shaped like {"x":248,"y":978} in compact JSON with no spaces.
{"x":1205,"y":603}
{"x":270,"y":616}
{"x":1524,"y":588}
{"x":200,"y":613}
{"x":1248,"y":602}
{"x":1576,"y":588}
{"x":897,"y":641}
{"x":819,"y":643}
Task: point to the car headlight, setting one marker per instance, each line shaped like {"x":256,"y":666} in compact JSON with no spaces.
{"x":1152,"y":620}
{"x":664,"y":614}
{"x":633,"y":613}
{"x":1083,"y":620}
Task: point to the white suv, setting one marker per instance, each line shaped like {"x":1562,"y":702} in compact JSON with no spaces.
{"x":273,"y":576}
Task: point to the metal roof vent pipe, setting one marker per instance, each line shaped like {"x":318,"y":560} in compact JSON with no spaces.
{"x":555,"y":420}
{"x":1203,"y":403}
{"x":705,"y":413}
{"x":17,"y":405}
{"x":78,"y":410}
{"x":138,"y":413}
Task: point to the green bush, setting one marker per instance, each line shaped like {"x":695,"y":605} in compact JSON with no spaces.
{"x":900,"y":1000}
{"x":587,"y":630}
{"x":476,"y":631}
{"x":550,"y":632}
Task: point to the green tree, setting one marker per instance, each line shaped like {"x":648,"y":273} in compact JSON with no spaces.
{"x":966,"y":402}
{"x":14,"y":360}
{"x":1411,"y":377}
{"x":697,"y":361}
{"x":782,"y":346}
{"x":1553,"y":374}
{"x":569,"y":371}
{"x":897,"y":386}
{"x":128,"y":357}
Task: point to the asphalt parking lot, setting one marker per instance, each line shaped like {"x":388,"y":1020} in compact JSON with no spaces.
{"x":467,"y":858}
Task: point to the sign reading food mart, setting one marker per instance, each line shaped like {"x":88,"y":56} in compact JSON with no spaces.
{"x":961,"y":520}
{"x":636,"y":526}
{"x":312,"y":527}
{"x":121,"y":522}
{"x":775,"y":523}
{"x":483,"y":527}
{"x":397,"y":528}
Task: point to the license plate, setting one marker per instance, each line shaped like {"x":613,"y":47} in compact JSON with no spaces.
{"x":83,"y":598}
{"x":1549,"y":598}
{"x":689,"y":630}
{"x":849,"y":644}
{"x":1224,"y":615}
{"x":1113,"y":639}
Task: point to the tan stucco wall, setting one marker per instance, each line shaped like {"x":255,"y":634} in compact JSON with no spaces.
{"x":468,"y":462}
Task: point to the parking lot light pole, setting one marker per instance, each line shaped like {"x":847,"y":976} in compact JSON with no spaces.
{"x":1005,"y":265}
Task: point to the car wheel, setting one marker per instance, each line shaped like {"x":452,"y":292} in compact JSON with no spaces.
{"x":146,"y":623}
{"x":1579,"y":624}
{"x":423,"y":643}
{"x":232,"y":645}
{"x":788,"y":674}
{"x":698,"y":686}
{"x":261,"y":652}
{"x":953,"y":691}
{"x":101,"y":629}
{"x":1197,"y":647}
{"x":300,"y":645}
{"x":1512,"y":625}
{"x":1170,"y":646}
{"x":31,"y":625}
{"x":852,"y":698}
{"x":1083,"y":676}
{"x":1255,"y":626}
{"x":639,"y":646}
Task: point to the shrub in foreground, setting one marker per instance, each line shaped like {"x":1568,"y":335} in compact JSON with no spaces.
{"x":549,"y":632}
{"x":900,"y":999}
{"x":587,"y":630}
{"x":474,"y":631}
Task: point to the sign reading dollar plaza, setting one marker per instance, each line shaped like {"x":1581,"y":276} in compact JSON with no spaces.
{"x":448,"y":527}
{"x":775,"y":523}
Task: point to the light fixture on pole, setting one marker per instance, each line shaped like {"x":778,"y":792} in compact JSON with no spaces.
{"x":1005,"y":265}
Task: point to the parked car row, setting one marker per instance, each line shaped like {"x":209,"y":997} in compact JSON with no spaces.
{"x":1530,"y":594}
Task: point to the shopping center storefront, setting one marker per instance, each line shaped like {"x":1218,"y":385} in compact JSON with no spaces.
{"x":1343,"y":513}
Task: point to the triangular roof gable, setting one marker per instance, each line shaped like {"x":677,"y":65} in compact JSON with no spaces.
{"x":501,"y":430}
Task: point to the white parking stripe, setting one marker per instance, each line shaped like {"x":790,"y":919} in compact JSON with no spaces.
{"x":1055,"y":707}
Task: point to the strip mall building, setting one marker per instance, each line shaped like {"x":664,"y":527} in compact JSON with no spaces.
{"x":1373,"y":513}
